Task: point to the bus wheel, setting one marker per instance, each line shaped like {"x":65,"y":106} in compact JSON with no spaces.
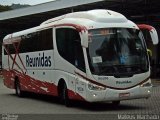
{"x":64,"y":95}
{"x":115,"y":103}
{"x":18,"y":90}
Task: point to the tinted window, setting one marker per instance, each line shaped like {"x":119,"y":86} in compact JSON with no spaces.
{"x":37,"y":41}
{"x":69,"y":46}
{"x":10,"y":49}
{"x":117,"y":51}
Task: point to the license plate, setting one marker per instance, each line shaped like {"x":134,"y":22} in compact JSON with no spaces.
{"x":124,"y":95}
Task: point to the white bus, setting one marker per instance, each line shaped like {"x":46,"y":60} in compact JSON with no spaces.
{"x":94,"y":56}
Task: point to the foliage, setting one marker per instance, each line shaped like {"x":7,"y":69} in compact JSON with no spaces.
{"x":12,"y":7}
{"x":17,"y":6}
{"x":5,"y":8}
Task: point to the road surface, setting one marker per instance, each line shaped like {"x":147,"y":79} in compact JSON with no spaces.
{"x":46,"y":107}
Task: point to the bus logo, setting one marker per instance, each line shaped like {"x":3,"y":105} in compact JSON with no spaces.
{"x":39,"y":61}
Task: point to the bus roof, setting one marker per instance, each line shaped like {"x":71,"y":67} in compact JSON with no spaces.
{"x":106,"y":16}
{"x":90,"y":19}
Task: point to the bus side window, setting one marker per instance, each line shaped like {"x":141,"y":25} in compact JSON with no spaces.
{"x":69,"y":47}
{"x":37,"y":41}
{"x":45,"y":40}
{"x":10,"y":49}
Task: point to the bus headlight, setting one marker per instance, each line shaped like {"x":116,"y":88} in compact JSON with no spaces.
{"x":92,"y":86}
{"x":148,"y":84}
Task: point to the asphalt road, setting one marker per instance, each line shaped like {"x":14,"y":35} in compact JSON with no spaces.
{"x":36,"y":107}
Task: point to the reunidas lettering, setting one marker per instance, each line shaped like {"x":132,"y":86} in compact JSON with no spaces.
{"x":40,"y":61}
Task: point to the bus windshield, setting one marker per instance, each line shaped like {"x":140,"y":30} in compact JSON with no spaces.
{"x":117,"y":51}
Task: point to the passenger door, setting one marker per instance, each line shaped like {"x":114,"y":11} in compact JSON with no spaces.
{"x":70,"y":58}
{"x":80,"y":69}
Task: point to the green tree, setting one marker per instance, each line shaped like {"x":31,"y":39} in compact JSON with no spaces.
{"x":5,"y":8}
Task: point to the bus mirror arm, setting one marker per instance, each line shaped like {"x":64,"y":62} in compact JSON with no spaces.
{"x":149,"y":52}
{"x":84,"y":38}
{"x":154,"y":36}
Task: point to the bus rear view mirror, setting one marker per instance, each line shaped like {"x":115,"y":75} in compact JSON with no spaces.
{"x":152,"y":31}
{"x":84,"y":38}
{"x":154,"y":36}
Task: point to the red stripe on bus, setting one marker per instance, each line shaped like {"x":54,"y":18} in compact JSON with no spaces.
{"x":79,"y":28}
{"x":32,"y":85}
{"x":144,"y":26}
{"x":94,"y":82}
{"x":13,"y":59}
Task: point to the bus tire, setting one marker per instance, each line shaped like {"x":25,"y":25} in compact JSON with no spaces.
{"x":116,"y":103}
{"x":18,"y":90}
{"x":64,"y":95}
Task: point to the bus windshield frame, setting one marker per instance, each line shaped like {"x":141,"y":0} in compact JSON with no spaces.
{"x":117,"y":52}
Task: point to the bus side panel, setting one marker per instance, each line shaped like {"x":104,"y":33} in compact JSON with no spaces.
{"x":32,"y":85}
{"x":8,"y":78}
{"x":75,"y":96}
{"x":37,"y":86}
{"x":28,"y":83}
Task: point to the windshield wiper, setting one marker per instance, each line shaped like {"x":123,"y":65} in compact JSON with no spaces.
{"x":109,"y":70}
{"x":122,"y":70}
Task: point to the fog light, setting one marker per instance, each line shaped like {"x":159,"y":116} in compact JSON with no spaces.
{"x":94,"y":95}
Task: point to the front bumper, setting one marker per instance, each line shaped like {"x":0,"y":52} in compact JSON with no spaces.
{"x":118,"y":95}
